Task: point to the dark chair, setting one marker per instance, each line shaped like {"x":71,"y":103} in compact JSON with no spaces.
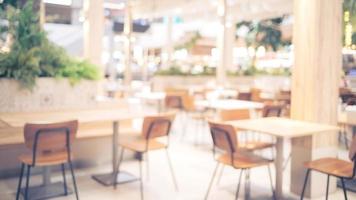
{"x":50,"y":144}
{"x":154,"y":127}
{"x":225,"y":139}
{"x":272,"y":110}
{"x":333,"y":167}
{"x":245,"y":96}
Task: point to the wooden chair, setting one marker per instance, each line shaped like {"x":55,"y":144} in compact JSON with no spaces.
{"x":50,"y":144}
{"x":249,"y":144}
{"x":174,"y":98}
{"x":272,"y":110}
{"x":199,"y":115}
{"x":225,"y":140}
{"x":241,"y":114}
{"x":154,"y":128}
{"x":256,"y":94}
{"x":333,"y":167}
{"x":245,"y":96}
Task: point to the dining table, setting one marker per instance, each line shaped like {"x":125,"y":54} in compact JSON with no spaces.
{"x":112,"y":114}
{"x":282,"y":129}
{"x":227,"y":104}
{"x":153,"y":96}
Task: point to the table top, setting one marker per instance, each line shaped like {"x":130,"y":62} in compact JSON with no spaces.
{"x":282,"y":127}
{"x":83,"y":116}
{"x":228,"y":104}
{"x":151,"y":95}
{"x":348,"y":116}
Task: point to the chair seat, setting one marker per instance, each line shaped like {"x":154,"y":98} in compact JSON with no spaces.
{"x":47,"y":159}
{"x":331,"y":166}
{"x":139,"y":144}
{"x":244,"y":160}
{"x":255,"y":145}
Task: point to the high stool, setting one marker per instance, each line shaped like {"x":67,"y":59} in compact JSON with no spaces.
{"x":50,"y":144}
{"x":225,"y":140}
{"x":333,"y":167}
{"x":154,"y":127}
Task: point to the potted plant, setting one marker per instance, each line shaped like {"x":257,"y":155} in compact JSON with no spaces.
{"x":36,"y":74}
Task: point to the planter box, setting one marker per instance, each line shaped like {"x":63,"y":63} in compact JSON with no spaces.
{"x":266,"y":83}
{"x":48,"y":94}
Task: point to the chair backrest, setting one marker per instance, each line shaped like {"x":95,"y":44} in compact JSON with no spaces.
{"x":188,"y":102}
{"x":47,"y":138}
{"x":256,"y":94}
{"x":157,"y":126}
{"x":233,"y":114}
{"x":245,"y":96}
{"x":272,"y":110}
{"x":351,"y":101}
{"x":224,"y":136}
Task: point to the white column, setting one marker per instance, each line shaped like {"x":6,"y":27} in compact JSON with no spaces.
{"x":225,"y":40}
{"x":76,"y":8}
{"x":146,"y":55}
{"x":93,"y":31}
{"x":128,"y":43}
{"x":317,"y":65}
{"x":168,"y":49}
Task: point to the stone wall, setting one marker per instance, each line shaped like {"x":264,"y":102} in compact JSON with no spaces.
{"x":48,"y":94}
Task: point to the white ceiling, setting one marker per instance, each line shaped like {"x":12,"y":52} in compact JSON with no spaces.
{"x":238,"y":9}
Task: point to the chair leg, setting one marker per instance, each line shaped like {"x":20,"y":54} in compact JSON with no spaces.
{"x":20,"y":182}
{"x":238,"y":185}
{"x":64,"y":179}
{"x":220,"y":175}
{"x":172,"y":171}
{"x":117,"y":168}
{"x":271,"y":181}
{"x":346,"y":140}
{"x":327,"y":187}
{"x":305,"y":184}
{"x":212,"y":180}
{"x":27,"y":181}
{"x":147,"y":166}
{"x":344,"y":188}
{"x":141,"y":183}
{"x":74,"y":181}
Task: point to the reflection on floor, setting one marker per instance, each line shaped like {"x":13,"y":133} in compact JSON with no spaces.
{"x":193,"y":166}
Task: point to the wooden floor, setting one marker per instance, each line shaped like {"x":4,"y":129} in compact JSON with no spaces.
{"x":193,"y":166}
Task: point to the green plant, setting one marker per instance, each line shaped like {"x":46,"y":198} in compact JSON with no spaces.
{"x":265,"y":33}
{"x":32,"y":55}
{"x":189,"y":44}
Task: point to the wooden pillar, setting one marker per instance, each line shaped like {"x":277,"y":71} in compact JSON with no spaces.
{"x":225,"y":41}
{"x":42,"y":13}
{"x":93,"y":31}
{"x":128,"y":44}
{"x":315,"y":81}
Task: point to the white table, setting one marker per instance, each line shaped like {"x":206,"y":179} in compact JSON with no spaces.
{"x":227,"y":104}
{"x":153,"y":96}
{"x":281,"y":128}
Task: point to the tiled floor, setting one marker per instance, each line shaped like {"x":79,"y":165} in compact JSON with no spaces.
{"x":193,"y":166}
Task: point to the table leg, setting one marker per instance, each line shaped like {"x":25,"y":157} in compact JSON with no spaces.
{"x":247,"y":185}
{"x":160,"y":102}
{"x":47,"y":189}
{"x":46,"y":178}
{"x":279,"y":167}
{"x":108,"y":179}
